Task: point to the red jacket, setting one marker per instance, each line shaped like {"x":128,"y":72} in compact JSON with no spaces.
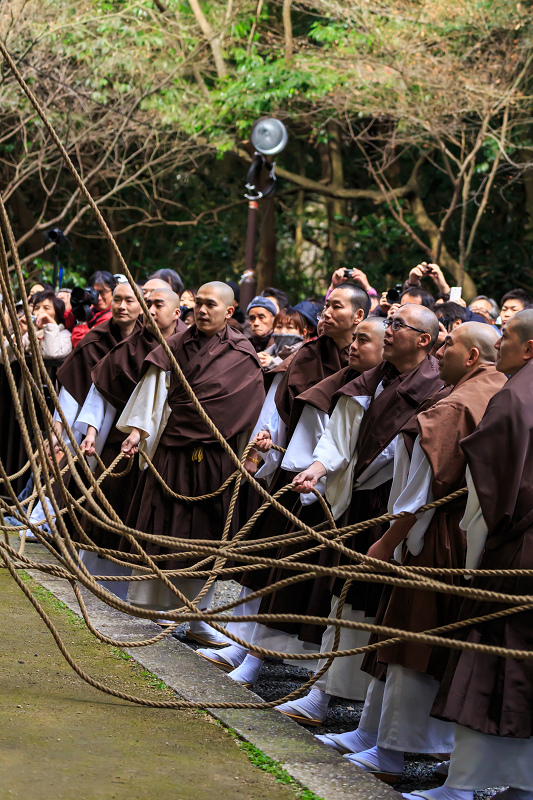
{"x":82,"y":328}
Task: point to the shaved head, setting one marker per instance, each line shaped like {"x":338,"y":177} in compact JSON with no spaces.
{"x":372,"y":325}
{"x":168,"y":293}
{"x":481,"y":336}
{"x":213,"y":307}
{"x":423,"y":318}
{"x":522,"y":324}
{"x":222,"y":291}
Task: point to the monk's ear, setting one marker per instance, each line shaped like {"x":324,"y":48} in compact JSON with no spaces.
{"x":528,"y":350}
{"x":425,"y":340}
{"x":473,"y":356}
{"x":358,"y":316}
{"x":229,"y":312}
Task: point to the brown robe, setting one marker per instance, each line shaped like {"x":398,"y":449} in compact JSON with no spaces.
{"x":75,"y":373}
{"x":314,"y":361}
{"x":116,"y":377}
{"x":401,"y":397}
{"x":440,"y":430}
{"x":493,"y":694}
{"x":226,"y":377}
{"x":383,"y":420}
{"x":117,"y":374}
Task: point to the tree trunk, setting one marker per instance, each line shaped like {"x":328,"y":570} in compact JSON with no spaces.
{"x":266,"y":260}
{"x":446,"y":260}
{"x":287,"y":28}
{"x":336,"y":207}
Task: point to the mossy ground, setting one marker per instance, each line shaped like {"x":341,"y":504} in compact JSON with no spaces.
{"x":60,"y":738}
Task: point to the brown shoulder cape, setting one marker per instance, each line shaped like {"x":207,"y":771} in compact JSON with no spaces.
{"x":313,"y":362}
{"x":500,"y":456}
{"x":392,"y":409}
{"x":442,"y":426}
{"x":75,"y":373}
{"x":117,"y":374}
{"x":320,"y":395}
{"x":226,"y":377}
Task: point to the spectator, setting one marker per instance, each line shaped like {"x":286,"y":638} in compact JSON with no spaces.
{"x":103,"y":283}
{"x":512,"y":302}
{"x":432,"y":271}
{"x":291,"y":330}
{"x":187,"y":316}
{"x":414,"y":295}
{"x":238,"y":314}
{"x":39,"y":287}
{"x":49,"y":314}
{"x":261,"y":313}
{"x":171,"y":277}
{"x":277,"y":297}
{"x":64,"y":295}
{"x":485,"y":307}
{"x":357,"y":276}
{"x":451,"y":315}
{"x":188,"y":296}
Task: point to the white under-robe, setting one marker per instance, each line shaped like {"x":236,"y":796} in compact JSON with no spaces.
{"x":408,"y":696}
{"x":337,"y":451}
{"x":401,"y":708}
{"x":148,"y":410}
{"x":70,"y":408}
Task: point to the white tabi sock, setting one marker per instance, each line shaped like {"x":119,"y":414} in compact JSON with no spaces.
{"x":314,"y":705}
{"x":354,"y":741}
{"x":381,"y":759}
{"x":248,"y":670}
{"x":233,"y":655}
{"x":443,"y":793}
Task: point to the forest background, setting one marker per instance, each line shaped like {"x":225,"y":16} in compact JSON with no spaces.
{"x":410,"y":137}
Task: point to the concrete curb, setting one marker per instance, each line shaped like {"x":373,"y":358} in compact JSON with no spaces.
{"x":313,"y":765}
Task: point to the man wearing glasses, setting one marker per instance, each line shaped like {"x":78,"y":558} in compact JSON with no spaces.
{"x":355,"y":457}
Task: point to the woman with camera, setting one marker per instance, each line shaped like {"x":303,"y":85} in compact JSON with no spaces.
{"x":92,"y":307}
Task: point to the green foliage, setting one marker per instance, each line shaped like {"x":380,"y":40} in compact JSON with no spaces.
{"x":134,"y":94}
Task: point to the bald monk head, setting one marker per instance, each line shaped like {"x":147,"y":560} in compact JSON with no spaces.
{"x":153,"y":283}
{"x":366,"y":350}
{"x":515,"y":348}
{"x":125,"y":308}
{"x":464,"y":349}
{"x":164,"y":305}
{"x":213,"y":306}
{"x":411,"y":333}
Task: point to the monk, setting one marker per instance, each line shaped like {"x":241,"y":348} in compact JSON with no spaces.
{"x":489,"y":697}
{"x":355,"y":456}
{"x":426,"y":469}
{"x":114,"y":379}
{"x":224,"y":372}
{"x":317,"y":359}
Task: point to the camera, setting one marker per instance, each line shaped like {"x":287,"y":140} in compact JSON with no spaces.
{"x":393,"y":295}
{"x":348,"y":273}
{"x":81,"y":301}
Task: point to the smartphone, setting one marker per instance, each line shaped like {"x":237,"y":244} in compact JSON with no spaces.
{"x":455,"y":293}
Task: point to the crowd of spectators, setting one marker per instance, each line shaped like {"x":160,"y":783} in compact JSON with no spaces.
{"x":275,"y":326}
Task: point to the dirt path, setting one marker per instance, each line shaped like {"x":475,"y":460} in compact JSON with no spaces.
{"x":59,"y":738}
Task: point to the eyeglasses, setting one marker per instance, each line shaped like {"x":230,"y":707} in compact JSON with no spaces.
{"x":396,"y":324}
